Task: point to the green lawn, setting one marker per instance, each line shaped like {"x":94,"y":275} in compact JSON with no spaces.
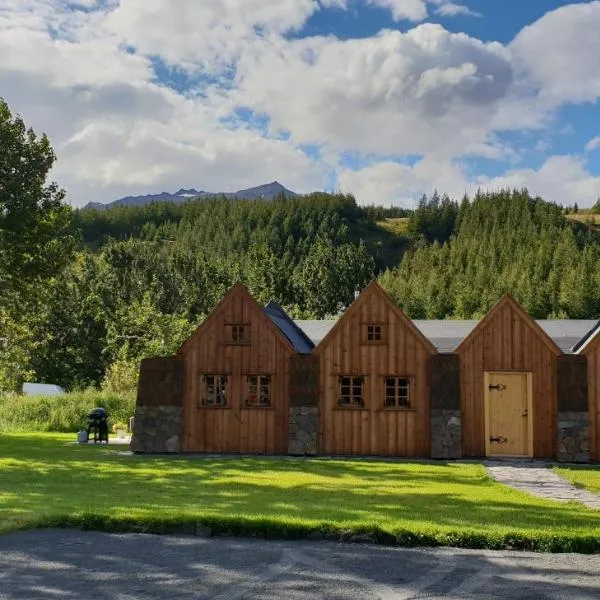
{"x":587,"y":477}
{"x":44,"y":481}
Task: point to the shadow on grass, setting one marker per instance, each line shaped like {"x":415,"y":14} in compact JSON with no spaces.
{"x":48,"y":483}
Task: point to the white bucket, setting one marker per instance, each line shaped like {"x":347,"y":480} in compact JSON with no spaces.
{"x":82,"y":437}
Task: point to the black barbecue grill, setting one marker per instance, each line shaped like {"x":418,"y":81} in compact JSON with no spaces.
{"x":98,"y":424}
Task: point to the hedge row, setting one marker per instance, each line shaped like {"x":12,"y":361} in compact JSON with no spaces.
{"x":66,"y":413}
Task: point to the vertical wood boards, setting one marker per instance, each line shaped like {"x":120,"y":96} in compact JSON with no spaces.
{"x":236,"y":427}
{"x":374,"y":430}
{"x":592,"y":353}
{"x":508,"y":340}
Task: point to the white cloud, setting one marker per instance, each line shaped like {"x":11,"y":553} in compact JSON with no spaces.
{"x":451,"y":9}
{"x":206,"y":35}
{"x":593,"y":144}
{"x":560,"y":54}
{"x":393,"y":183}
{"x":562,"y":179}
{"x":411,"y":10}
{"x":87,"y":77}
{"x":424,"y":91}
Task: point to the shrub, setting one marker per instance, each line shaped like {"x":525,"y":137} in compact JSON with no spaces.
{"x":67,"y":412}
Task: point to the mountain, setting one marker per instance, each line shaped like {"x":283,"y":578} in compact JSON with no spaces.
{"x":268,"y":191}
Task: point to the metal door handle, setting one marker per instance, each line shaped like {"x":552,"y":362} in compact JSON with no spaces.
{"x":498,"y":386}
{"x":498,"y":440}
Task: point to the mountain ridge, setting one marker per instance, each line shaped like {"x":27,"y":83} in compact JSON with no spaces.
{"x":267,"y":191}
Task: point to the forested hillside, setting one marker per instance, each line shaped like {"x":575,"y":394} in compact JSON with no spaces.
{"x":502,"y":242}
{"x":144,"y":277}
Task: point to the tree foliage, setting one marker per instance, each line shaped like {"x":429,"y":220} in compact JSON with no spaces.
{"x":35,"y":236}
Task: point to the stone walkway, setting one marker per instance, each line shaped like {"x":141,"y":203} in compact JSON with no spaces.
{"x":538,"y":479}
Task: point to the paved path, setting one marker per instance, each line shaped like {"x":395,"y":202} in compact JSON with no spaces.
{"x":75,"y":564}
{"x":539,"y":480}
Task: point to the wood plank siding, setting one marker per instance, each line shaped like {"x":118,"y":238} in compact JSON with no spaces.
{"x":402,"y":352}
{"x":236,"y":427}
{"x":508,"y":339}
{"x":592,"y":353}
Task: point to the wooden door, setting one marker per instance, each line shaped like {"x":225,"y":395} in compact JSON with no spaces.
{"x":508,"y":414}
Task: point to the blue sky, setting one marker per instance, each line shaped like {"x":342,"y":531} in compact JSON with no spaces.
{"x":386,"y":99}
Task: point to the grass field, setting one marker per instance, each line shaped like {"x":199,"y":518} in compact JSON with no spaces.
{"x":45,"y":481}
{"x":586,"y":477}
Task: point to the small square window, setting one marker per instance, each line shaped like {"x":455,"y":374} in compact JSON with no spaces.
{"x":351,"y":392}
{"x":215,"y":390}
{"x":238,"y":333}
{"x":397,"y":392}
{"x":259,"y":391}
{"x":374,"y":333}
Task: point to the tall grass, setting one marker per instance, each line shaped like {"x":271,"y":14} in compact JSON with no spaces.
{"x":67,"y":413}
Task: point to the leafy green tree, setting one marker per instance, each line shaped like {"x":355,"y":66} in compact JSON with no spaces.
{"x":35,"y":235}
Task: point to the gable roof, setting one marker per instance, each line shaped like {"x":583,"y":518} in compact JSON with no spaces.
{"x":447,"y":334}
{"x":301,"y":342}
{"x":508,"y":300}
{"x":588,"y":339}
{"x":375,"y":288}
{"x":236,"y":289}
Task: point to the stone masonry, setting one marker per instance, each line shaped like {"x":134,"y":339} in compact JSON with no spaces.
{"x":303,"y":427}
{"x":157,"y":425}
{"x":446,"y":430}
{"x":157,"y":429}
{"x":445,"y":417}
{"x":303,"y":420}
{"x":573,"y":443}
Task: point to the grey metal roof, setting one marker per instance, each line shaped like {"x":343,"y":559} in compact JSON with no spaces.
{"x":446,"y":335}
{"x":299,"y":340}
{"x":566,"y":332}
{"x":315,"y":330}
{"x":587,"y":338}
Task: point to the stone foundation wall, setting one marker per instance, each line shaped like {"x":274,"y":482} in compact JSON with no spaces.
{"x":445,"y":419}
{"x":446,"y":433}
{"x":157,"y":424}
{"x":303,"y":430}
{"x":573,"y":443}
{"x":157,"y":429}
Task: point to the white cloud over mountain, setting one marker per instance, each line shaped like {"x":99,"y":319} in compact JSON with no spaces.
{"x":88,"y":76}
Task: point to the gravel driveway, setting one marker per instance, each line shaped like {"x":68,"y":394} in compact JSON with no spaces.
{"x":74,"y":564}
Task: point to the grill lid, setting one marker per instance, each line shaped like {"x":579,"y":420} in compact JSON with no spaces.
{"x":97,"y":413}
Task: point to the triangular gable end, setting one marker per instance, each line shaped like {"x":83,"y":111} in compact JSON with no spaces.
{"x":527,"y":319}
{"x":374,"y":287}
{"x":236,"y":290}
{"x":589,"y":341}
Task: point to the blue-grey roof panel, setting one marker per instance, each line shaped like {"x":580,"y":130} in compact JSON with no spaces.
{"x":298,"y":338}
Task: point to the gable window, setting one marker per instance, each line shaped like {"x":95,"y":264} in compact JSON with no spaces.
{"x":238,"y":333}
{"x":373,"y":333}
{"x":215,"y":390}
{"x":397,"y":392}
{"x":351,"y":392}
{"x":259,"y":390}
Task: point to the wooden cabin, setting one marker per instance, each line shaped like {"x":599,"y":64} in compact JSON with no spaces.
{"x":236,"y":373}
{"x":589,"y":347}
{"x":374,"y":381}
{"x":508,"y":367}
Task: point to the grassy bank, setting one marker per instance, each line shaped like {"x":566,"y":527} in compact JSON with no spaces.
{"x":48,"y":482}
{"x":587,"y":477}
{"x":61,"y":413}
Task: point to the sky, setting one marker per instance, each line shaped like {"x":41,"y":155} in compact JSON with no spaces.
{"x":384,"y":99}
